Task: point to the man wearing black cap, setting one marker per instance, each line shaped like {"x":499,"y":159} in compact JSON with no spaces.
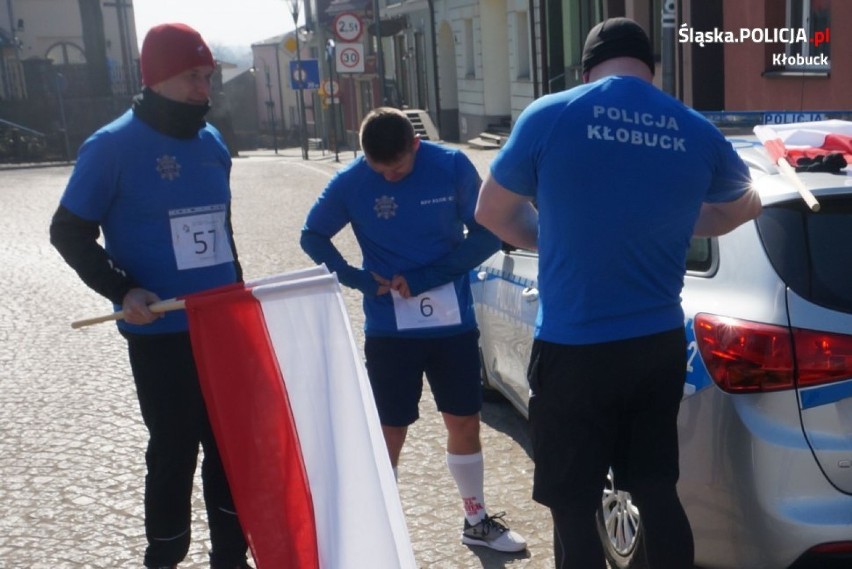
{"x":143,"y":180}
{"x":622,"y":176}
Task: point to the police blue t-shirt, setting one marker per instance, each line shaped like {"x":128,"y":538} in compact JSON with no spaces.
{"x":405,"y":225}
{"x":162,"y":204}
{"x":618,"y":170}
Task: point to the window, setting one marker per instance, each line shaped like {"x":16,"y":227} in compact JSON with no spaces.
{"x":583,"y":15}
{"x":522,"y":45}
{"x":469,"y":64}
{"x":813,"y":16}
{"x":700,"y":257}
{"x":66,"y":53}
{"x":812,"y":252}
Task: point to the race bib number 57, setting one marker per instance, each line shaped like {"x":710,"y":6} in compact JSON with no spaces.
{"x":199,"y":237}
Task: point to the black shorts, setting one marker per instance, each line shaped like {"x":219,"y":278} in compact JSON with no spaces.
{"x":601,"y":405}
{"x":396,"y":367}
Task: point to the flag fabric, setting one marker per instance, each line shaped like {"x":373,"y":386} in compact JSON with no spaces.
{"x":807,"y":140}
{"x":297,"y":428}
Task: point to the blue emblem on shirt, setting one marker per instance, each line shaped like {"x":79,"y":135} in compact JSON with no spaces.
{"x":168,"y":167}
{"x":385,"y":207}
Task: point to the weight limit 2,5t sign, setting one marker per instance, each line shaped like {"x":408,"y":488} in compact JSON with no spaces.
{"x":348,"y":27}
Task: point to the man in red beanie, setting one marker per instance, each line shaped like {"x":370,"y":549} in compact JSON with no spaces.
{"x":142,"y":180}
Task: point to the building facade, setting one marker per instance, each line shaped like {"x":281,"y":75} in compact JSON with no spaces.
{"x":66,"y":66}
{"x":496,"y":56}
{"x":774,"y":74}
{"x":472,"y":66}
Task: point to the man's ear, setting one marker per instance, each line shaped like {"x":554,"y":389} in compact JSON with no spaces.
{"x":586,"y":77}
{"x":416,"y":144}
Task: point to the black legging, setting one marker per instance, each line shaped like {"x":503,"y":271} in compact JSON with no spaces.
{"x":576,"y":543}
{"x":174,"y":413}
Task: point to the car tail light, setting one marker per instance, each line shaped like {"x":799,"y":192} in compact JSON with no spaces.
{"x":822,"y":357}
{"x":832,"y":548}
{"x":748,"y":357}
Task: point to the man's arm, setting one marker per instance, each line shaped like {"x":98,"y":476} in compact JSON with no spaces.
{"x":237,"y":266}
{"x":321,"y":250}
{"x":76,"y":239}
{"x":508,"y":215}
{"x":478,"y":245}
{"x":326,"y":218}
{"x":720,"y":218}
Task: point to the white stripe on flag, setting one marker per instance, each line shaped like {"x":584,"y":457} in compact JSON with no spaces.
{"x":298,"y":274}
{"x":359,"y":517}
{"x":811,"y":134}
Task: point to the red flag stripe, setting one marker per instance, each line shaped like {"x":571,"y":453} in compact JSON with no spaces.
{"x":808,"y":139}
{"x":251,"y":418}
{"x":833,"y":143}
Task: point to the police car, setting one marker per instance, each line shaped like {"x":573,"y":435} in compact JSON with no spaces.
{"x":765,"y":423}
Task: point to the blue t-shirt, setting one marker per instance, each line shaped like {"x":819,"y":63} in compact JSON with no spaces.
{"x":162,"y":204}
{"x":404,"y":226}
{"x":618,"y":170}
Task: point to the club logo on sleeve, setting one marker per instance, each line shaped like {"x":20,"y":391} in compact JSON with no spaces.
{"x":385,"y":207}
{"x":168,"y":167}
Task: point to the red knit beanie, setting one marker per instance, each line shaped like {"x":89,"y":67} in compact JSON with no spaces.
{"x":170,"y":49}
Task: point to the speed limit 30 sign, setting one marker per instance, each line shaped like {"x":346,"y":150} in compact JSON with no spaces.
{"x":349,"y":58}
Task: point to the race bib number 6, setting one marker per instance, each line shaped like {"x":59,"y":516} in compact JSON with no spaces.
{"x":436,"y":307}
{"x":199,"y":237}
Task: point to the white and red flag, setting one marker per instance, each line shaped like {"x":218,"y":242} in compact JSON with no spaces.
{"x":788,"y":143}
{"x":807,"y":139}
{"x":294,"y":418}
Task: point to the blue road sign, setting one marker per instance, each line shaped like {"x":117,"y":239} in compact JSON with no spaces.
{"x":308,"y":77}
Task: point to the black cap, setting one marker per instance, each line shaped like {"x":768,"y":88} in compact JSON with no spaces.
{"x":617,"y":37}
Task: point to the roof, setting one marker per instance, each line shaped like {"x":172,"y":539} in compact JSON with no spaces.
{"x":274,"y":40}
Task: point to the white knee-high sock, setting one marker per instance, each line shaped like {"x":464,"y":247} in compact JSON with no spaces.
{"x":468,"y":470}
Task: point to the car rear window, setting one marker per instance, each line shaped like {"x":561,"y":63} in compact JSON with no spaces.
{"x":812,"y":252}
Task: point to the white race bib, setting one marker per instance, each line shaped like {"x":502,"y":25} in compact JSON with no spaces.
{"x":199,"y":237}
{"x":436,"y":307}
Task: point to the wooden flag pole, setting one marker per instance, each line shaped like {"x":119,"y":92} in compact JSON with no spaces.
{"x":162,"y":306}
{"x":797,"y":182}
{"x":775,"y":147}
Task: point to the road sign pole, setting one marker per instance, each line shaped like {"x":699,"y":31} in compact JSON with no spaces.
{"x":380,"y":55}
{"x":330,"y":56}
{"x":303,"y":127}
{"x":303,"y":138}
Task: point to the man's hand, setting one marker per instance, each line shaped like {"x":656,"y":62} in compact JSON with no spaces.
{"x":400,"y":285}
{"x":135,"y":306}
{"x":384,"y":284}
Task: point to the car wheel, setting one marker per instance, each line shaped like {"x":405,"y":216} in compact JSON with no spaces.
{"x":620,"y":528}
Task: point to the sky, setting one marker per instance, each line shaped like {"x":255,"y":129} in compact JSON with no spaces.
{"x":221,"y":22}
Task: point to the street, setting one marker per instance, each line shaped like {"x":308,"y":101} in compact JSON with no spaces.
{"x":72,"y":444}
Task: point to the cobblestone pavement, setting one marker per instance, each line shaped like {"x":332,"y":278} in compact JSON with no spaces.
{"x":71,"y":440}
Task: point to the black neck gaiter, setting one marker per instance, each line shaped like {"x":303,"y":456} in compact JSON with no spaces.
{"x":178,"y":120}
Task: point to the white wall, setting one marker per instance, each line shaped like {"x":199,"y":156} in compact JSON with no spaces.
{"x":498,"y":85}
{"x":48,"y":22}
